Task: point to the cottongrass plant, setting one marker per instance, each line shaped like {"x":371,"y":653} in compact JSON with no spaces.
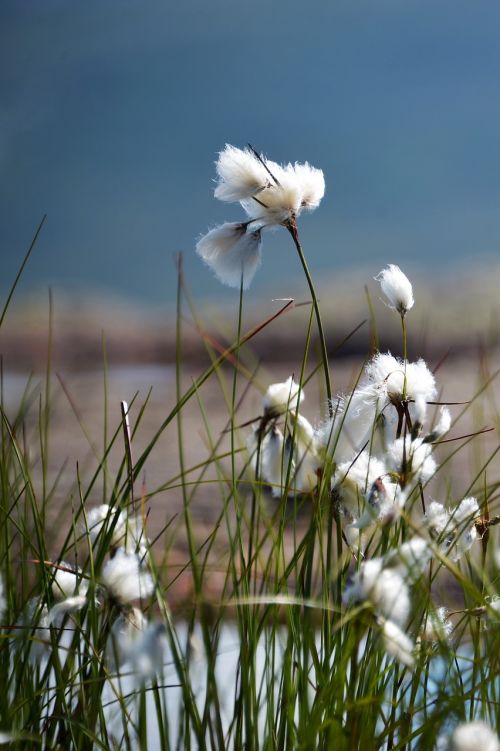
{"x":357,"y":605}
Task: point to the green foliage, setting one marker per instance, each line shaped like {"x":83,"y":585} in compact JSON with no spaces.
{"x":274,"y":660}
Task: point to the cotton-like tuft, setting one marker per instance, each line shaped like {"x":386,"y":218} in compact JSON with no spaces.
{"x":443,"y":424}
{"x":411,"y":558}
{"x":67,"y":582}
{"x":474,"y":736}
{"x":312,"y":184}
{"x":233,"y":252}
{"x":280,"y":397}
{"x":274,"y":469}
{"x":384,"y":588}
{"x":271,"y":195}
{"x":104,"y":518}
{"x":397,"y":288}
{"x":126,"y":630}
{"x":412,"y":459}
{"x":454,"y":530}
{"x":397,"y":643}
{"x":437,"y":627}
{"x":126,"y":578}
{"x":388,"y":374}
{"x":241,"y":174}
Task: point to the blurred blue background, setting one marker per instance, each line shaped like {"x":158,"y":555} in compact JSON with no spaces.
{"x":113,"y":111}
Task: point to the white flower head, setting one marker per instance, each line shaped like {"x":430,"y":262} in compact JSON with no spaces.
{"x":442,"y":425}
{"x":127,"y":628}
{"x":126,"y":578}
{"x":493,"y":607}
{"x":412,"y":459}
{"x":67,"y":582}
{"x":281,"y":397}
{"x":312,"y":184}
{"x":125,"y":532}
{"x":397,"y":288}
{"x":384,"y":501}
{"x":274,"y":468}
{"x":454,"y":530}
{"x":474,"y":736}
{"x":105,"y":519}
{"x":384,"y":588}
{"x":389,"y":375}
{"x":241,"y":174}
{"x":303,"y":443}
{"x":397,"y":643}
{"x":292,"y":188}
{"x":233,"y":252}
{"x":135,"y":642}
{"x":69,"y":605}
{"x":366,"y":493}
{"x":411,"y":558}
{"x":437,"y":626}
{"x":271,"y":194}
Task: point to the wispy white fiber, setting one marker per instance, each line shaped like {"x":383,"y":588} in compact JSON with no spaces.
{"x":453,"y":529}
{"x":271,"y":195}
{"x":126,"y":578}
{"x":474,"y":736}
{"x":384,"y":588}
{"x":67,"y":582}
{"x":280,"y":397}
{"x":233,"y":252}
{"x":397,"y":288}
{"x":397,"y":643}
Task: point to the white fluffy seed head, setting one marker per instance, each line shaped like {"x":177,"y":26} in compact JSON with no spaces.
{"x":384,"y":588}
{"x":437,"y":627}
{"x":352,"y":424}
{"x":306,"y":457}
{"x":466,"y":511}
{"x":233,"y":252}
{"x":312,"y":184}
{"x":389,"y":374}
{"x":397,"y":288}
{"x":354,"y":479}
{"x":296,"y":187}
{"x":69,"y":605}
{"x":102,"y":519}
{"x":125,"y":532}
{"x":444,"y":422}
{"x":126,"y":578}
{"x":241,"y":174}
{"x":411,"y":458}
{"x":125,"y":631}
{"x":474,"y":736}
{"x":67,"y":582}
{"x":454,"y":529}
{"x":281,"y":397}
{"x":273,"y":467}
{"x":436,"y":518}
{"x":411,"y":558}
{"x":397,"y":643}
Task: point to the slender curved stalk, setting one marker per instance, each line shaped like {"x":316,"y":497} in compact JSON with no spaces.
{"x":405,"y":352}
{"x":292,"y":228}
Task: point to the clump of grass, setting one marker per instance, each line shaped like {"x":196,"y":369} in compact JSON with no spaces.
{"x":356,"y":604}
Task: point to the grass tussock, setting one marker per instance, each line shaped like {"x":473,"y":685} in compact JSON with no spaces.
{"x":343,"y":593}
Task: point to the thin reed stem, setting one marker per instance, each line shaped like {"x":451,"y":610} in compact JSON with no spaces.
{"x":292,"y":228}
